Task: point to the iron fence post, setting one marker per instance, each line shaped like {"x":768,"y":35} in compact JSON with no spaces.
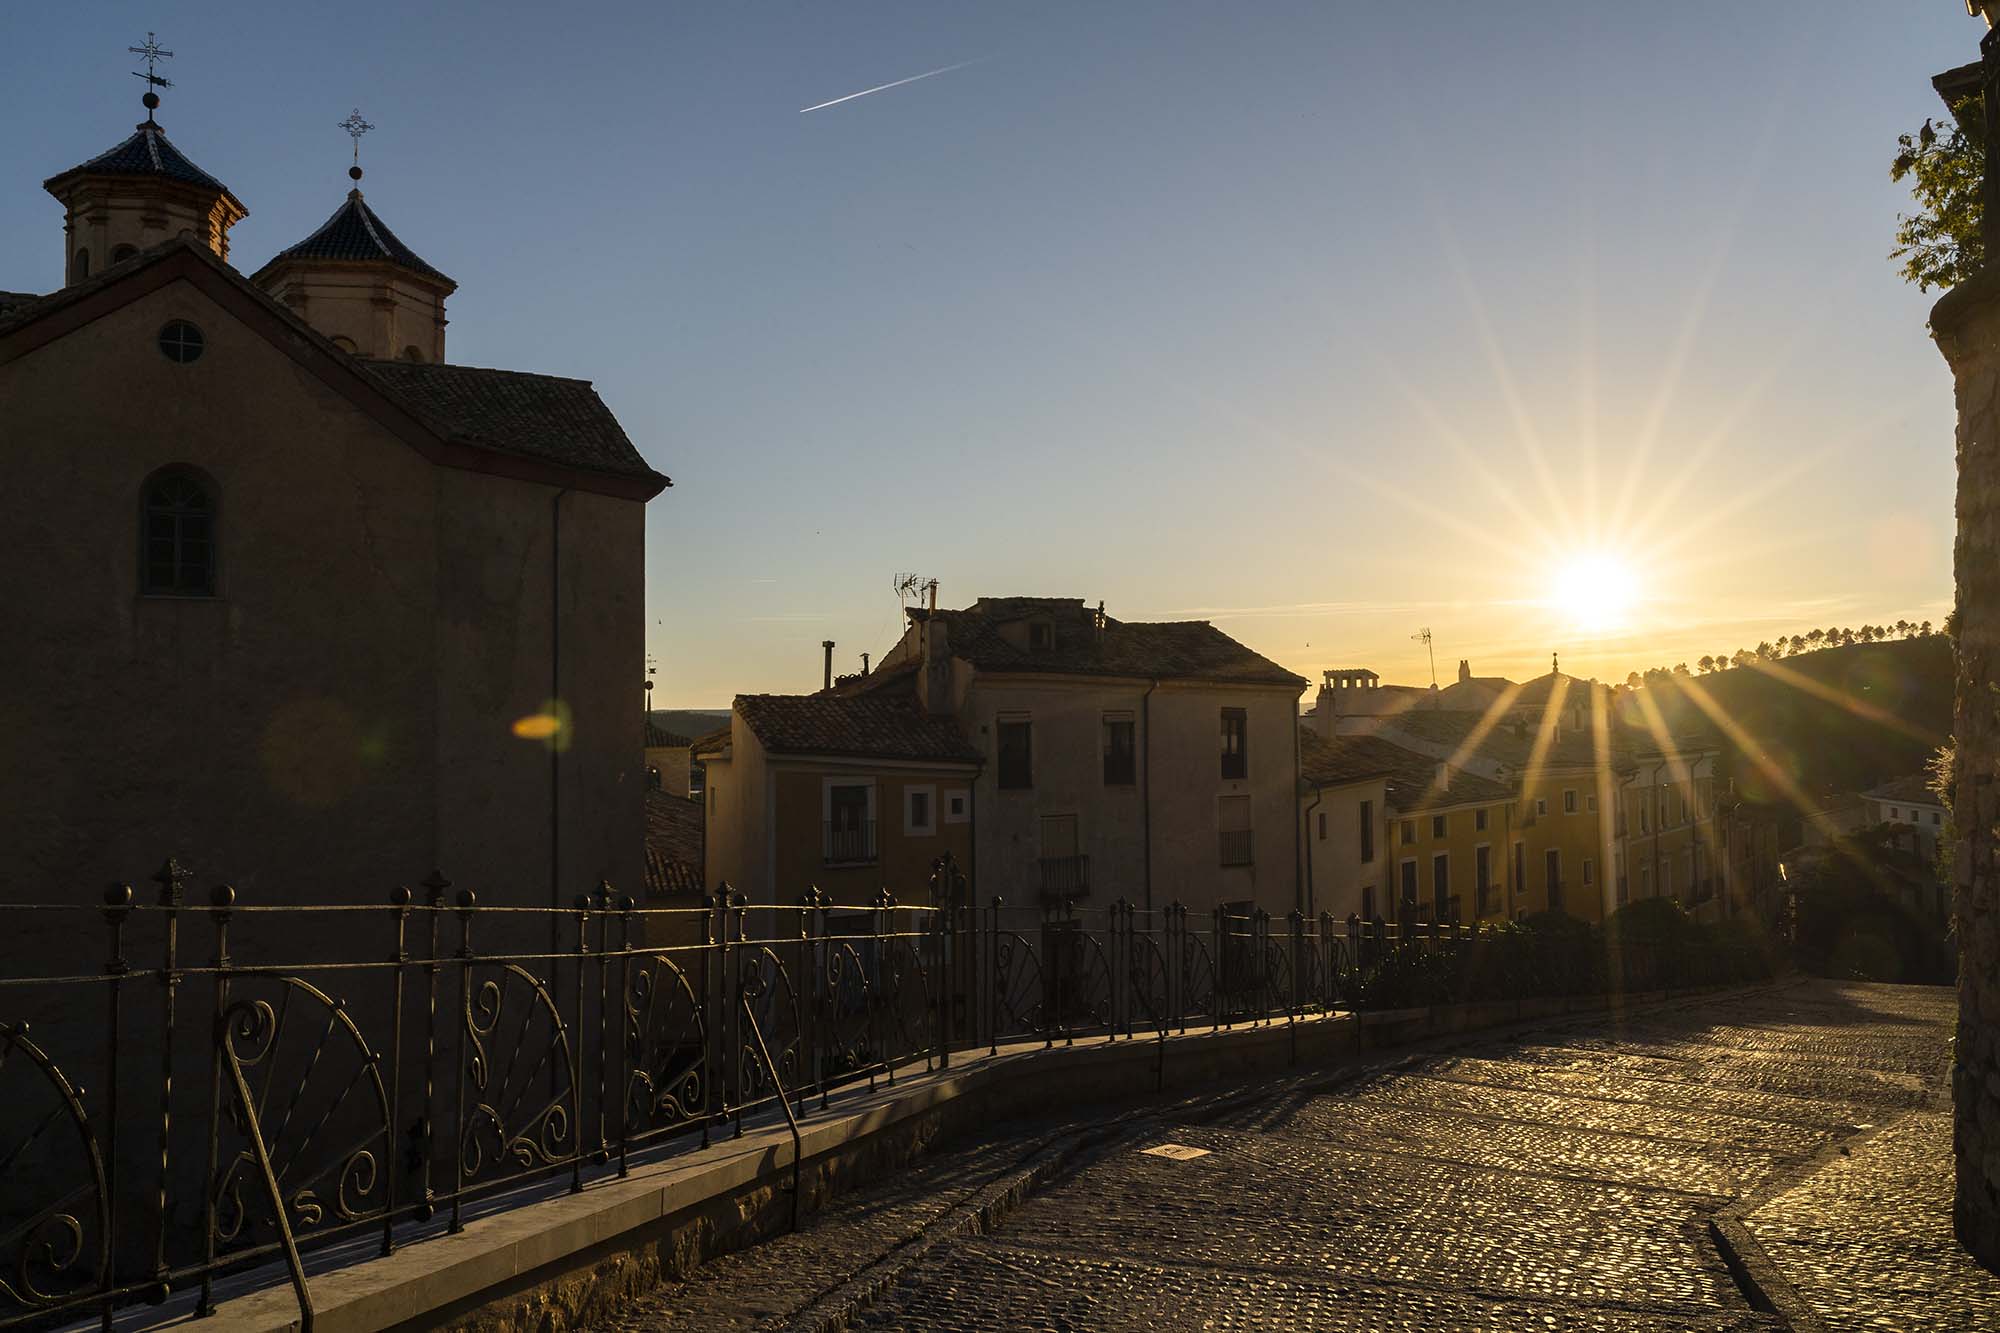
{"x":399,"y":958}
{"x":468,"y":902}
{"x":605,"y":901}
{"x":578,"y":1047}
{"x":626,"y":907}
{"x":117,"y":907}
{"x":170,"y":877}
{"x":424,"y":1139}
{"x":1221,"y":964}
{"x":220,"y":900}
{"x":994,"y":1005}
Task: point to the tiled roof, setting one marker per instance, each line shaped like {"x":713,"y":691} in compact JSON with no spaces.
{"x":554,"y":420}
{"x":1172,"y":650}
{"x":1412,"y":777}
{"x":12,"y":301}
{"x":1334,"y":761}
{"x":867,"y":726}
{"x":1509,"y":742}
{"x":146,"y":153}
{"x":658,"y":737}
{"x":539,"y":416}
{"x":1542,"y":687}
{"x":711,"y":743}
{"x":354,"y":234}
{"x":1914,"y":789}
{"x":673,"y":845}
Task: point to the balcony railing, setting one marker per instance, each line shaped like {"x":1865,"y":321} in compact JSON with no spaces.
{"x":850,"y":844}
{"x":1235,"y":847}
{"x":1065,"y":877}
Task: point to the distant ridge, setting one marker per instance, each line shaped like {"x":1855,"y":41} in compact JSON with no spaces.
{"x":1824,"y":746}
{"x":688,"y":721}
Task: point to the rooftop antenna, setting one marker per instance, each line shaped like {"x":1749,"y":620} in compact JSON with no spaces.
{"x":915,"y":586}
{"x":1423,"y":636}
{"x":152,"y":53}
{"x":355,"y":127}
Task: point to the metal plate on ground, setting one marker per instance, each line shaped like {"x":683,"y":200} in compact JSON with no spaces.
{"x":1180,"y":1152}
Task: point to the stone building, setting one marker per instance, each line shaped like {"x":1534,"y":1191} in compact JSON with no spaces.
{"x":1151,"y":761}
{"x":297,"y":600}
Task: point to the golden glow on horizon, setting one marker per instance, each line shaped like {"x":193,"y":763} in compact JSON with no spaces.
{"x":1595,"y":591}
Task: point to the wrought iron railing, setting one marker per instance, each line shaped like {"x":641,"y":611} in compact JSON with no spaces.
{"x":233,"y":1085}
{"x":1065,"y":877}
{"x":1234,"y":846}
{"x":851,"y":844}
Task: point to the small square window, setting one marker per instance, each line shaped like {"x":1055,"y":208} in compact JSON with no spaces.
{"x":1479,"y":820}
{"x":1409,"y":831}
{"x":957,"y":805}
{"x":1569,"y":802}
{"x":1541,"y":806}
{"x":919,"y":811}
{"x":1437,"y":826}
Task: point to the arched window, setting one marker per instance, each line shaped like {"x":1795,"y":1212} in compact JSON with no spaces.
{"x":80,"y":268}
{"x":345,"y":344}
{"x":411,"y":353}
{"x":177,"y":535}
{"x":123,"y":253}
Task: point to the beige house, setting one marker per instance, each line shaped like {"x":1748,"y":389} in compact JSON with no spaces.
{"x":1154,"y":762}
{"x":669,"y":762}
{"x":312,"y":620}
{"x":847,"y":794}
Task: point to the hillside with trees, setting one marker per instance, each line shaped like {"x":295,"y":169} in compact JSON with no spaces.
{"x":1839,"y":719}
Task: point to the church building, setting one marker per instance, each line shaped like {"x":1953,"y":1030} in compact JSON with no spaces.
{"x":290,"y":596}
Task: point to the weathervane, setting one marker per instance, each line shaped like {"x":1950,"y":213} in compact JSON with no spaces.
{"x":355,"y":127}
{"x":152,"y":53}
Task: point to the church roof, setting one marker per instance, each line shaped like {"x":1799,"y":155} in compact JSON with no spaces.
{"x":453,"y":413}
{"x":355,"y":234}
{"x":539,"y":416}
{"x":146,"y":153}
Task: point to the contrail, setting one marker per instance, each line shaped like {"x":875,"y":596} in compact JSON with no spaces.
{"x":884,"y":87}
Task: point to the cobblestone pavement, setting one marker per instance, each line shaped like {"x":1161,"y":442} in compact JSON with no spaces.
{"x":1559,"y":1180}
{"x":1866,"y":1240}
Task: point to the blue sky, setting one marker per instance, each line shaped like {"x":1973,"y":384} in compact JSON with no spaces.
{"x":1326,"y":322}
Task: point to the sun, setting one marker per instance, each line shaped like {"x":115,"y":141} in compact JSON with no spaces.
{"x":1595,"y":591}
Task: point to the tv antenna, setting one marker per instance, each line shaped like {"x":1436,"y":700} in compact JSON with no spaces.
{"x":1423,"y":636}
{"x":914,"y":587}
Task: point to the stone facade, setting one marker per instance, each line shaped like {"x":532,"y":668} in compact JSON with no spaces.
{"x":1966,"y":324}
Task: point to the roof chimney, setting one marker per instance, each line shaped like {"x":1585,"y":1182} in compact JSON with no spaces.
{"x":1464,"y":670}
{"x":826,"y":646}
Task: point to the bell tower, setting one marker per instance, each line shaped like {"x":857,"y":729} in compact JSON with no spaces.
{"x":353,"y":281}
{"x":140,"y":193}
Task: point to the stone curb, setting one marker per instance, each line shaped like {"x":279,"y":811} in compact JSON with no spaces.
{"x":1759,"y":1279}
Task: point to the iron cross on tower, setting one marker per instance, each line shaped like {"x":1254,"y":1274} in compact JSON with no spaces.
{"x":355,"y":127}
{"x":152,"y":53}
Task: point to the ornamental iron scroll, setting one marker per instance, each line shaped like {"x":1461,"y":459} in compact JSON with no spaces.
{"x":519,"y":1111}
{"x":55,"y":1214}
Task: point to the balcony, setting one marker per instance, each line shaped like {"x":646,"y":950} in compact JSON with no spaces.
{"x":1065,"y":877}
{"x":1234,"y":844}
{"x":850,"y":844}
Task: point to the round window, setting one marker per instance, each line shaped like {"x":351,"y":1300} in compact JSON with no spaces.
{"x":181,"y":341}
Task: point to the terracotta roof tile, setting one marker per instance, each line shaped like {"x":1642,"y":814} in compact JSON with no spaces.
{"x":355,"y":234}
{"x":1914,"y":789}
{"x":1173,"y":650}
{"x":1411,"y":777}
{"x":538,"y":416}
{"x":673,"y":845}
{"x":146,"y":153}
{"x":867,"y":726}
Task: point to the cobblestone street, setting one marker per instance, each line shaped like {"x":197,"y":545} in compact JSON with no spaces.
{"x":1558,"y":1179}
